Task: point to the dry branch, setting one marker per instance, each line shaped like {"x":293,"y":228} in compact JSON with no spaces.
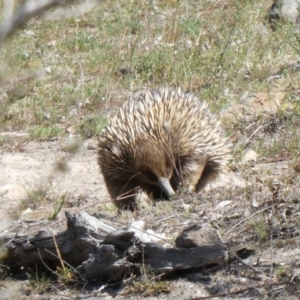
{"x":27,"y":10}
{"x":100,"y":252}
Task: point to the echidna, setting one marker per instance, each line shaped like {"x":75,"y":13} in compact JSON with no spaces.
{"x":160,"y":140}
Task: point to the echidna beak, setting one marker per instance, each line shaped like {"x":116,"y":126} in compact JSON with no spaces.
{"x":165,"y":185}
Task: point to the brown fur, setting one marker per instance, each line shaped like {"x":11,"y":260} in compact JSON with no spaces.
{"x":158,"y":141}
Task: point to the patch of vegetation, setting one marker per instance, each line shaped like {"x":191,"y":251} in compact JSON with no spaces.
{"x":99,"y":56}
{"x":39,"y":282}
{"x":65,"y":275}
{"x":147,"y":287}
{"x":3,"y":140}
{"x":261,"y":229}
{"x":92,"y":126}
{"x":45,"y":132}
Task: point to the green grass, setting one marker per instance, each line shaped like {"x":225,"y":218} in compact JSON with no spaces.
{"x":45,"y":132}
{"x":92,"y":126}
{"x":58,"y":205}
{"x":217,"y":52}
{"x":3,"y":139}
{"x":40,"y":282}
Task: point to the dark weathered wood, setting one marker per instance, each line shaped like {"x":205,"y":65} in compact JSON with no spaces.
{"x":76,"y":243}
{"x":100,"y":252}
{"x":169,"y":259}
{"x":106,"y":264}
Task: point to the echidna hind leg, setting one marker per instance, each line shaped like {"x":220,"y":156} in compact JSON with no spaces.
{"x":192,"y":176}
{"x":208,"y":174}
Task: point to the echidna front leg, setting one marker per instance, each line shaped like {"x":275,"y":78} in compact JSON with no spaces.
{"x":123,"y":196}
{"x":128,"y":203}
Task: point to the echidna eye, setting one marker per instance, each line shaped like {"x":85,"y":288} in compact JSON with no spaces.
{"x":169,"y":169}
{"x":169,"y":172}
{"x":151,"y":176}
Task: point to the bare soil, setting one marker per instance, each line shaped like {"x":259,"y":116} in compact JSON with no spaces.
{"x":37,"y":167}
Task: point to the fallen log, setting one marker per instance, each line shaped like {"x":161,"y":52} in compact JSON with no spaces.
{"x":98,"y":251}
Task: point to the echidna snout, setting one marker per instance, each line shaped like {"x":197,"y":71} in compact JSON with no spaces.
{"x":164,"y":184}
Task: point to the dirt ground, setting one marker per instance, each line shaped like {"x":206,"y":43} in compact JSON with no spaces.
{"x":36,"y":167}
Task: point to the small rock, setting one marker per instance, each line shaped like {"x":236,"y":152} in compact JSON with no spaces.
{"x":29,"y":32}
{"x":187,"y":207}
{"x":71,"y":129}
{"x":284,"y":10}
{"x":26,"y":211}
{"x":188,"y":44}
{"x":92,"y":145}
{"x":225,"y":180}
{"x":47,"y":70}
{"x":196,"y":235}
{"x":249,"y":155}
{"x":16,"y":93}
{"x":72,"y":145}
{"x":223,"y":204}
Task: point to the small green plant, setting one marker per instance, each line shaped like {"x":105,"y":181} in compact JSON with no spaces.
{"x":261,"y":229}
{"x":191,"y":27}
{"x":3,"y":140}
{"x":34,"y":197}
{"x":58,"y":205}
{"x":282,"y":272}
{"x":39,"y":281}
{"x":65,"y":274}
{"x":92,"y":126}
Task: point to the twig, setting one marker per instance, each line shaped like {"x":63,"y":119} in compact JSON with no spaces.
{"x":225,"y":294}
{"x":247,"y":265}
{"x":125,"y":195}
{"x":239,"y":223}
{"x":57,"y":250}
{"x":27,"y":11}
{"x":71,"y":267}
{"x":12,"y":239}
{"x":246,"y":142}
{"x":47,"y":267}
{"x":79,"y":62}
